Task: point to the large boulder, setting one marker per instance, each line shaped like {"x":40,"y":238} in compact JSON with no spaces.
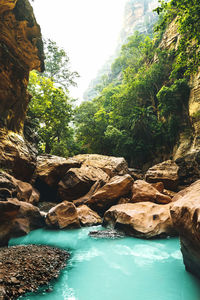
{"x":143,"y":191}
{"x":63,"y":215}
{"x":8,"y":212}
{"x":143,"y":220}
{"x":185,"y":214}
{"x":50,"y":169}
{"x":87,"y":216}
{"x":11,"y":187}
{"x":18,"y":218}
{"x":78,"y":181}
{"x":166,"y":172}
{"x":109,"y":164}
{"x":110,"y":193}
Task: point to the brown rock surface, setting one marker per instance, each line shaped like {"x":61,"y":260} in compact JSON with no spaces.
{"x":21,"y":50}
{"x":88,"y":217}
{"x":142,"y":220}
{"x":143,"y":191}
{"x":26,"y":192}
{"x":109,"y":164}
{"x":105,"y":197}
{"x":18,"y":218}
{"x":63,"y":215}
{"x":185,"y":214}
{"x":50,"y":168}
{"x":78,"y":181}
{"x":166,"y":172}
{"x":25,"y":268}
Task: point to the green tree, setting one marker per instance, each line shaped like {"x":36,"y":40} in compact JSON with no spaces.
{"x":57,"y":66}
{"x":50,"y":111}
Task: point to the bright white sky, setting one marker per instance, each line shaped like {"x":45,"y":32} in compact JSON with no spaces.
{"x":88,"y":30}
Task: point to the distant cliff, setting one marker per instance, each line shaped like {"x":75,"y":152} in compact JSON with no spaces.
{"x":138,"y":16}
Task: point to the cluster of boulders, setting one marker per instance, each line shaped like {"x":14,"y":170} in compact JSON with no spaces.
{"x":94,"y":189}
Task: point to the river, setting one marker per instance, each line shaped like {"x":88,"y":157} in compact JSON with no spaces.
{"x":114,"y":269}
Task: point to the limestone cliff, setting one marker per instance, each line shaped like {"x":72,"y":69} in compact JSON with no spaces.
{"x":21,"y":50}
{"x":138,"y":16}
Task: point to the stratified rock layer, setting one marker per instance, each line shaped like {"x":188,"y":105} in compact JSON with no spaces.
{"x":185,"y":215}
{"x":21,"y":50}
{"x":166,"y":172}
{"x":142,"y":220}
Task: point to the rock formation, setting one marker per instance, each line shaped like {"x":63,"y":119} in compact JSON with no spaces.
{"x":21,"y":50}
{"x":185,"y":215}
{"x":143,"y":220}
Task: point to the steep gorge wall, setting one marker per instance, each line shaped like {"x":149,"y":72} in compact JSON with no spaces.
{"x":21,"y":50}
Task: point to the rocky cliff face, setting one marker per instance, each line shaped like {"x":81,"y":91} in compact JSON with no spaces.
{"x":21,"y":50}
{"x":138,"y":16}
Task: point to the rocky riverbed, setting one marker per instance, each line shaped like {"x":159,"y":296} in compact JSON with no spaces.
{"x":25,"y":268}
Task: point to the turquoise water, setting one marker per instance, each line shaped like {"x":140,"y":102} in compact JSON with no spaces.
{"x":115,"y":269}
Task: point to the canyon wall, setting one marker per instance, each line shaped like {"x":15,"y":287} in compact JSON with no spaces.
{"x":21,"y":50}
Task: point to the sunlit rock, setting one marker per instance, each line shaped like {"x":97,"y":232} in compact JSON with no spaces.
{"x":110,"y":193}
{"x":166,"y":172}
{"x":142,"y":220}
{"x":88,"y":217}
{"x":63,"y":215}
{"x":143,"y":191}
{"x":185,"y":214}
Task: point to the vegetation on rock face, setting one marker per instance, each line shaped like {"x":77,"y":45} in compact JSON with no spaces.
{"x":187,"y":14}
{"x":139,"y":110}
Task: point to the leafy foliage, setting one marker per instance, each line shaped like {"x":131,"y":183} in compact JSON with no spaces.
{"x":50,"y":110}
{"x":137,"y":112}
{"x":187,"y":14}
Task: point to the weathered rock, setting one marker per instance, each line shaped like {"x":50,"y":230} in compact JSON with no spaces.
{"x":136,"y":174}
{"x":88,"y":217}
{"x":21,"y":50}
{"x":49,"y":171}
{"x":109,"y":164}
{"x":8,"y":212}
{"x":50,"y":168}
{"x":166,"y":172}
{"x":18,"y":218}
{"x":110,"y":193}
{"x":185,"y":214}
{"x":143,"y":191}
{"x":63,"y":215}
{"x":78,"y":181}
{"x":159,"y":186}
{"x":7,"y":186}
{"x":26,"y":192}
{"x":82,"y":200}
{"x":11,"y":187}
{"x":142,"y":220}
{"x":106,"y":234}
{"x":189,"y":167}
{"x":28,"y":218}
{"x":16,"y":155}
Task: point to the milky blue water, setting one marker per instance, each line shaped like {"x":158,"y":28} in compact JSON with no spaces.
{"x":118,"y":269}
